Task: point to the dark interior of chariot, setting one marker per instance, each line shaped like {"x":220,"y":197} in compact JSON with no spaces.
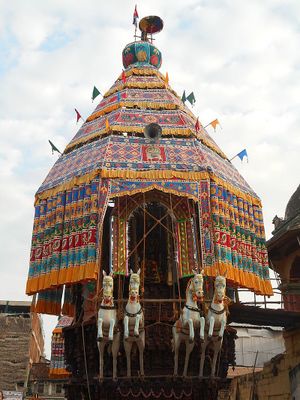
{"x":162,"y":297}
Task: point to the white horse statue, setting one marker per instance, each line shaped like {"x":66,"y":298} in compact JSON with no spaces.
{"x":191,"y":317}
{"x":216,"y":320}
{"x":134,"y":323}
{"x":107,"y":319}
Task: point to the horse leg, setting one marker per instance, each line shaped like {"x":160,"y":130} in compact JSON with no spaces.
{"x":211,"y":326}
{"x":137,"y":325}
{"x":101,"y":347}
{"x":100,"y":331}
{"x":126,"y":328}
{"x":111,"y":329}
{"x":217,"y":348}
{"x":202,"y":326}
{"x":141,"y":346}
{"x":127,"y":347}
{"x":192,"y":333}
{"x":223,"y":324}
{"x":176,"y":344}
{"x":188,"y":349}
{"x":202,"y":359}
{"x":114,"y":350}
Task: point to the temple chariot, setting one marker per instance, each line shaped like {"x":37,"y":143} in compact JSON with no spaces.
{"x":143,"y":231}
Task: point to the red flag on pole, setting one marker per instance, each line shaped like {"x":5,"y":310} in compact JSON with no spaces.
{"x":78,"y":116}
{"x":197,"y":125}
{"x":135,"y":16}
{"x":123,"y":77}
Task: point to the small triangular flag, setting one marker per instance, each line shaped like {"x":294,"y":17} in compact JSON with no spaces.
{"x":107,"y":126}
{"x":183,"y":98}
{"x":95,"y":93}
{"x":214,"y":123}
{"x":124,"y":77}
{"x":53,"y":147}
{"x":191,"y":98}
{"x":197,"y":125}
{"x":243,"y":154}
{"x":135,"y":17}
{"x":78,"y":116}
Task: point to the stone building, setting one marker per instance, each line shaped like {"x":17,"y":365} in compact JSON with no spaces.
{"x":284,"y":252}
{"x":42,"y":385}
{"x":21,"y":343}
{"x":280,"y":377}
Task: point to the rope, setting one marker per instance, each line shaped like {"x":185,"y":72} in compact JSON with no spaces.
{"x":177,"y":274}
{"x":144,"y":250}
{"x":85,"y":363}
{"x":197,"y":238}
{"x":99,"y":255}
{"x":119,"y":311}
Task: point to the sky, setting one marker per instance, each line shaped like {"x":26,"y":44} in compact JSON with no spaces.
{"x":241,"y":59}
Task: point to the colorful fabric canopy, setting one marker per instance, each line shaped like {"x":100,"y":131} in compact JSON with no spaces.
{"x":109,"y":157}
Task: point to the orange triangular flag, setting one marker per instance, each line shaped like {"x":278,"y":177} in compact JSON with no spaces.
{"x":214,"y":123}
{"x":107,"y":126}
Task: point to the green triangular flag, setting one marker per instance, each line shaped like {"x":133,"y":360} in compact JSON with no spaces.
{"x":183,"y":98}
{"x":95,"y":93}
{"x":53,"y":147}
{"x":191,"y":98}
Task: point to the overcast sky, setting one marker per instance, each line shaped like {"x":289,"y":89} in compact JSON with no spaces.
{"x":240,"y":58}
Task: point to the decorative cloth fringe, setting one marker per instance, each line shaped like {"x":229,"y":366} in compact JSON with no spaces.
{"x":115,"y":129}
{"x":49,"y":302}
{"x":232,"y":238}
{"x":184,"y":132}
{"x":133,"y":104}
{"x":68,"y":307}
{"x":232,"y":234}
{"x":64,"y":242}
{"x":142,"y":85}
{"x":154,"y":174}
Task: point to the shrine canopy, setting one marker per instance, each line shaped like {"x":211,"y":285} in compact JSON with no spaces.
{"x":110,"y":157}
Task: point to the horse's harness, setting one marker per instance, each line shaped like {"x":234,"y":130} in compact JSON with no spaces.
{"x":216,"y":311}
{"x":133,"y":315}
{"x":103,"y":307}
{"x":225,"y":309}
{"x":196,"y":309}
{"x":113,"y":307}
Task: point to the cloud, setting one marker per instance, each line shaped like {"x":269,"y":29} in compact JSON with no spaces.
{"x":241,"y":59}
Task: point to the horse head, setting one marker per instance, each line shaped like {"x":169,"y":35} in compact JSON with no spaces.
{"x":134,"y":285}
{"x":220,"y":288}
{"x":108,"y":285}
{"x":195,"y":285}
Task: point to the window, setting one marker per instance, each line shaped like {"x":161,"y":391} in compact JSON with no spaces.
{"x":40,"y":388}
{"x":58,"y":388}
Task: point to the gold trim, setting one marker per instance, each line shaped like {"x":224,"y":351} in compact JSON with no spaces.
{"x":153,"y":174}
{"x":131,"y":104}
{"x":151,"y":187}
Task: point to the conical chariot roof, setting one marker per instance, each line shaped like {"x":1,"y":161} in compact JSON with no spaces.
{"x":110,"y":140}
{"x":110,"y":156}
